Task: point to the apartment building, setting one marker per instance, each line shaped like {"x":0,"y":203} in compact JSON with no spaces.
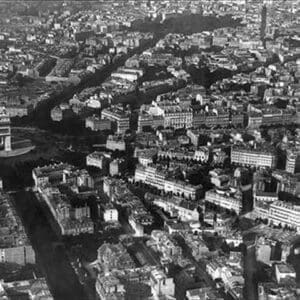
{"x":178,"y":117}
{"x":151,"y":175}
{"x":166,"y":113}
{"x":292,"y":161}
{"x":271,"y":290}
{"x":161,"y":285}
{"x":211,"y":118}
{"x":253,"y":157}
{"x":97,"y":124}
{"x":116,"y":142}
{"x":178,"y":187}
{"x":109,"y":287}
{"x":119,"y":117}
{"x":14,"y":244}
{"x":50,"y":173}
{"x":98,"y":160}
{"x":149,"y":121}
{"x":261,"y":203}
{"x":158,"y":178}
{"x":225,"y":200}
{"x":286,"y":214}
{"x":110,"y":214}
{"x":184,"y":210}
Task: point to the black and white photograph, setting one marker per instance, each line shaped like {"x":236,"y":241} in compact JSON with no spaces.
{"x":150,"y":150}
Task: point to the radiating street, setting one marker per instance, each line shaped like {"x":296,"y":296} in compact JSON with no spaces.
{"x":51,"y":255}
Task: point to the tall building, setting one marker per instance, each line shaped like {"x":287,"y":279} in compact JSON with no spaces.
{"x":5,"y":133}
{"x":263,"y":23}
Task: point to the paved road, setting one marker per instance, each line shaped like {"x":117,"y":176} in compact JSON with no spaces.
{"x":250,"y":268}
{"x":52,"y":258}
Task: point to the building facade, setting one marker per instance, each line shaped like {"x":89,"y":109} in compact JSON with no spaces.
{"x":253,"y":157}
{"x":224,"y":200}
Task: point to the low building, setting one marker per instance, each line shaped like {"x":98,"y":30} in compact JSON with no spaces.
{"x":218,"y":178}
{"x":271,"y":290}
{"x":130,"y":74}
{"x":292,"y":161}
{"x":136,"y":224}
{"x":110,"y":214}
{"x":196,"y":245}
{"x":284,"y":271}
{"x":221,"y":223}
{"x":97,"y":124}
{"x":117,"y":166}
{"x":287,"y":182}
{"x":180,"y":153}
{"x":145,"y":156}
{"x":229,"y":271}
{"x":26,"y":289}
{"x":20,"y":110}
{"x":161,"y":284}
{"x":99,"y":160}
{"x":109,"y":287}
{"x":56,"y":114}
{"x":165,"y":245}
{"x":263,"y":250}
{"x":194,"y":136}
{"x":113,"y":257}
{"x":177,"y":207}
{"x":202,"y":154}
{"x":21,"y":255}
{"x":203,"y":293}
{"x":116,"y":142}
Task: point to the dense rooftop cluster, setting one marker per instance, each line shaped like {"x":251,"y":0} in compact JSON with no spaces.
{"x":182,"y":175}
